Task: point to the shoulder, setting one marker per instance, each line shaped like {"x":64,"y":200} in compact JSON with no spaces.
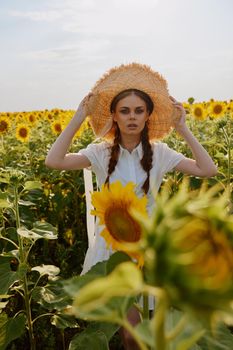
{"x":162,"y":152}
{"x":159,"y":147}
{"x":97,"y":147}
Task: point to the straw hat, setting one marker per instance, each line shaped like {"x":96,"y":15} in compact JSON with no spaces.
{"x":129,"y":76}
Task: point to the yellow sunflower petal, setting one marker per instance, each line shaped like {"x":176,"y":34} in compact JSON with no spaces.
{"x":114,"y":205}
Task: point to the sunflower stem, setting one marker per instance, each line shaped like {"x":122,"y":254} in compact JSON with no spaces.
{"x":158,"y":323}
{"x":145,"y":307}
{"x":24,"y":279}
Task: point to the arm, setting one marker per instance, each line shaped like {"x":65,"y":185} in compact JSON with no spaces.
{"x":57,"y":157}
{"x":202,"y":165}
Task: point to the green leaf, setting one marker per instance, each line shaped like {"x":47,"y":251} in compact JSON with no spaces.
{"x":74,"y":284}
{"x":50,"y":270}
{"x":11,"y":254}
{"x":8,"y":277}
{"x":62,"y":321}
{"x":25,"y":203}
{"x":126,"y":279}
{"x":32,"y":185}
{"x":4,"y":201}
{"x":51,"y":297}
{"x":5,"y":180}
{"x":29,"y":234}
{"x":101,"y":269}
{"x":45,"y":230}
{"x":3,"y":304}
{"x":143,"y":329}
{"x":39,"y":230}
{"x":109,"y":329}
{"x":187,"y":335}
{"x":222,"y":339}
{"x":116,"y":259}
{"x":89,"y":340}
{"x":10,"y":329}
{"x":186,"y":344}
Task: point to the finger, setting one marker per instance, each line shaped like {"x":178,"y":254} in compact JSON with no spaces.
{"x":172,"y":98}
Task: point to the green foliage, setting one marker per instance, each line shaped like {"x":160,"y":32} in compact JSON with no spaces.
{"x":10,"y":329}
{"x":43,"y":237}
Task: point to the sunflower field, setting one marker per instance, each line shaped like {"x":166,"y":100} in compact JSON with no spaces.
{"x":43,"y":235}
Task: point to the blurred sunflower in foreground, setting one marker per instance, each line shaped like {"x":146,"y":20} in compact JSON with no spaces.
{"x":113,"y":206}
{"x":188,"y":251}
{"x":187,"y":248}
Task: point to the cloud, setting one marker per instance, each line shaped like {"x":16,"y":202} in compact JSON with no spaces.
{"x":42,"y":16}
{"x":83,"y":51}
{"x":111,"y":18}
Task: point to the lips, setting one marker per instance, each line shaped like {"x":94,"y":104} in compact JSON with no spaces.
{"x":132,"y":125}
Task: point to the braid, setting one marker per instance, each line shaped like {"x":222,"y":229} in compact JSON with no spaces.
{"x":114,"y":154}
{"x":146,"y":161}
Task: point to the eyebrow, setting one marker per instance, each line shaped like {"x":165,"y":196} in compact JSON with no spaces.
{"x":128,"y":107}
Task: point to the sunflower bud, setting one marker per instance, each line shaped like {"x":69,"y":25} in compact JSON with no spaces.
{"x":191,"y":250}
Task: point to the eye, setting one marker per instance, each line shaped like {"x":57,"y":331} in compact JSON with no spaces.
{"x":124,"y":111}
{"x":139,"y":111}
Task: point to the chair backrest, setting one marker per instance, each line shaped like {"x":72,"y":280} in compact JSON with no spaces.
{"x":88,"y":185}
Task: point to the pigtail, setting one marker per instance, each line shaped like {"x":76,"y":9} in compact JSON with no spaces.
{"x":115,"y":150}
{"x":146,"y":161}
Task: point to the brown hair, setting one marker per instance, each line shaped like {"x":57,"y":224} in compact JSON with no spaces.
{"x":146,"y":161}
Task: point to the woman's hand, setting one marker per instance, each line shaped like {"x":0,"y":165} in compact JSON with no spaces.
{"x":81,"y":112}
{"x":179,"y":115}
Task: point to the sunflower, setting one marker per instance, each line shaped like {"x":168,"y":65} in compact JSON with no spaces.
{"x":56,"y":127}
{"x":198,"y":111}
{"x":4,"y":124}
{"x":19,"y":118}
{"x":22,"y":132}
{"x":31,"y":117}
{"x":230,"y":108}
{"x":114,"y":206}
{"x":217,"y":109}
{"x":189,"y":249}
{"x":49,"y":116}
{"x":212,"y":254}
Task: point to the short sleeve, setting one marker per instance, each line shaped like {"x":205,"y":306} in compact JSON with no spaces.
{"x":168,"y":158}
{"x":97,"y":153}
{"x":91,"y":153}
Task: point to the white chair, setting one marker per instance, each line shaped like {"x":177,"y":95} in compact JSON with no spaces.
{"x":90,"y":219}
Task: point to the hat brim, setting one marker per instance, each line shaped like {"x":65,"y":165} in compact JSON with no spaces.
{"x":132,"y":76}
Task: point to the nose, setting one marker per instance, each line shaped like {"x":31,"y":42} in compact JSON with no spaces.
{"x":132,"y":115}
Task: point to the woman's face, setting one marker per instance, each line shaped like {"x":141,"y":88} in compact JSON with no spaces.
{"x":131,"y":114}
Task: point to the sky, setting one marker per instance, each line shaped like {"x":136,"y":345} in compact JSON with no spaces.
{"x":52,"y":52}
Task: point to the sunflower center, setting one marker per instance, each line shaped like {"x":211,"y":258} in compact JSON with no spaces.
{"x":198,"y":112}
{"x":31,"y":118}
{"x":23,"y":132}
{"x":121,"y":225}
{"x":58,"y":127}
{"x":3,"y":125}
{"x":217,"y":109}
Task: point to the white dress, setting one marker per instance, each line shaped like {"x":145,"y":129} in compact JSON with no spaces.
{"x":128,"y":168}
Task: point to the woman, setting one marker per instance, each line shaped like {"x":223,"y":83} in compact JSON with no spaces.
{"x":130,"y":108}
